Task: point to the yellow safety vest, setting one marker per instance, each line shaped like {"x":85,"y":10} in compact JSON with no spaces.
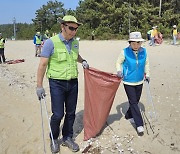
{"x":62,"y":64}
{"x":175,"y":32}
{"x":38,"y":40}
{"x":2,"y":43}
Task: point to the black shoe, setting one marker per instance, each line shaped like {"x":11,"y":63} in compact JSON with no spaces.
{"x":127,"y":117}
{"x":55,"y":148}
{"x":70,"y":144}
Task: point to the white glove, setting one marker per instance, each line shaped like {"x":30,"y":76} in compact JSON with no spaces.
{"x":147,"y":79}
{"x":85,"y":64}
{"x":119,"y":74}
{"x":40,"y":92}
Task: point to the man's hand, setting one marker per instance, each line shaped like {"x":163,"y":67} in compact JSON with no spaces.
{"x":85,"y":64}
{"x":119,"y":74}
{"x":40,"y":92}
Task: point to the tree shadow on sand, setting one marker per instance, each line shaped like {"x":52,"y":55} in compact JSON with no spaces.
{"x":121,"y":111}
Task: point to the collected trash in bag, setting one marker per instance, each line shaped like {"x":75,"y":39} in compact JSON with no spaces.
{"x":100,"y":90}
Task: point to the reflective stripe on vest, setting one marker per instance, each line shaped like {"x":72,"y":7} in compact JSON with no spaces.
{"x":63,"y":65}
{"x":2,"y":43}
{"x":134,"y":67}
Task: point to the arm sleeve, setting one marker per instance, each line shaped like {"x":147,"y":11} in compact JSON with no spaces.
{"x":48,"y":49}
{"x":119,"y":61}
{"x":147,"y":69}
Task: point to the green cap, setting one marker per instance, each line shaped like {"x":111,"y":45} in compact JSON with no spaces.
{"x":68,"y":18}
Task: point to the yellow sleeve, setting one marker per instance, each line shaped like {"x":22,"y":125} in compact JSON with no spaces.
{"x":147,"y":68}
{"x":119,"y":61}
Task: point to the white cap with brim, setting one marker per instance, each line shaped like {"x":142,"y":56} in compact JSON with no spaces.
{"x":174,"y":26}
{"x":68,"y":18}
{"x":135,"y":36}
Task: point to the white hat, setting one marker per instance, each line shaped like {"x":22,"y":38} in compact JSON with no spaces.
{"x":135,"y":36}
{"x":174,"y":26}
{"x":38,"y":33}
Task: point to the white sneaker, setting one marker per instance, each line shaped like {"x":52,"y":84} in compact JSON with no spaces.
{"x":131,"y":120}
{"x":140,"y":129}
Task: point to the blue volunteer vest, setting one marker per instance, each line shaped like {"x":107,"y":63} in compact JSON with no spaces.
{"x":134,"y":67}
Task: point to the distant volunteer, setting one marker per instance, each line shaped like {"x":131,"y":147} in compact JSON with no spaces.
{"x":2,"y":56}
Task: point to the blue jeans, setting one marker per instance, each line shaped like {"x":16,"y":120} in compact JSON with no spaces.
{"x":134,"y":94}
{"x":63,"y":101}
{"x":152,"y":42}
{"x":174,"y":39}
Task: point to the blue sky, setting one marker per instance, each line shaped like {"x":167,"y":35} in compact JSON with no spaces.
{"x":24,"y":10}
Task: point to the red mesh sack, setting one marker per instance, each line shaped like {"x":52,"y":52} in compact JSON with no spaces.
{"x":100,"y":90}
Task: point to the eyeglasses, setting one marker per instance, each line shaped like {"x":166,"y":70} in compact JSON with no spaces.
{"x":71,"y":28}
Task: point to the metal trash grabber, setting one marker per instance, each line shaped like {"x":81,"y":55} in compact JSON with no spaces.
{"x":42,"y":126}
{"x":149,"y":98}
{"x":52,"y":139}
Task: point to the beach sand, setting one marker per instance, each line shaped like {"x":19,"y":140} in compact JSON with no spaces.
{"x":20,"y":116}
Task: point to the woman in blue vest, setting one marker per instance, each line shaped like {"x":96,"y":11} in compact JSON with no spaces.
{"x":59,"y":58}
{"x":133,"y":67}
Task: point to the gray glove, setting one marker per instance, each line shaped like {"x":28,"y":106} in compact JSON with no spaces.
{"x":85,"y":64}
{"x":119,"y":74}
{"x":147,"y":79}
{"x":40,"y":92}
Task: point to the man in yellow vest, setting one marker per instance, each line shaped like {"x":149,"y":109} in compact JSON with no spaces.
{"x":174,"y":34}
{"x":59,"y":57}
{"x":37,"y":43}
{"x":2,"y":42}
{"x":154,"y":33}
{"x":46,"y":35}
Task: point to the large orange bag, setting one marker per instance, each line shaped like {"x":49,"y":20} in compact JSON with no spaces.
{"x":100,"y":90}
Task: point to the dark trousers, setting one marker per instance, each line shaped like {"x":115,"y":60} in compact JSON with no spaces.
{"x":149,"y":36}
{"x":134,"y":94}
{"x":2,"y":54}
{"x":63,"y":101}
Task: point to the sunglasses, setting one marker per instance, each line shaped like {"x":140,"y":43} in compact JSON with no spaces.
{"x":71,"y":28}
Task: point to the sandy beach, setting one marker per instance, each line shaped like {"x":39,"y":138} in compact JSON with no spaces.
{"x":20,"y":116}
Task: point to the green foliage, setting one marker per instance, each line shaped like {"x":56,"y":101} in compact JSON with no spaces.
{"x":46,"y":16}
{"x":23,"y":31}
